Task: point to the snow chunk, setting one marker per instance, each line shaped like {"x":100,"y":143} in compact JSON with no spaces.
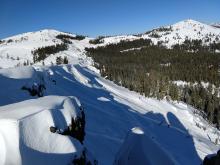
{"x":137,"y":130}
{"x":103,"y":99}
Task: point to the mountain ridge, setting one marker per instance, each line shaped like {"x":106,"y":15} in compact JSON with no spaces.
{"x":16,"y":50}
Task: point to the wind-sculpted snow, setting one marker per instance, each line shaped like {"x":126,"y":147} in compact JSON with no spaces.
{"x":25,"y":136}
{"x":111,"y":111}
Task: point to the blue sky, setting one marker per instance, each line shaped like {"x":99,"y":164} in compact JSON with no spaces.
{"x":101,"y":17}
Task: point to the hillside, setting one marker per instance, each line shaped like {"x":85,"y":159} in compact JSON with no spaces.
{"x":17,"y":50}
{"x":173,"y":34}
{"x":111,"y":111}
{"x":121,"y":126}
{"x":188,"y":29}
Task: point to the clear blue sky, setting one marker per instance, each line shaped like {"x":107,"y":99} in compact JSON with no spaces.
{"x":101,"y":17}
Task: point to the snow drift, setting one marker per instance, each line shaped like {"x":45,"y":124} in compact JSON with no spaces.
{"x":25,"y":136}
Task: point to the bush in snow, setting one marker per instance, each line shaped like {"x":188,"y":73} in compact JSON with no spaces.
{"x":77,"y":128}
{"x":59,"y":60}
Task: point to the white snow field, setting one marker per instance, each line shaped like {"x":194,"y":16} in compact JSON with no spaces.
{"x":122,"y":127}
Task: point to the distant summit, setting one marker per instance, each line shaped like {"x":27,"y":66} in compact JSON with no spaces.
{"x":217,"y":25}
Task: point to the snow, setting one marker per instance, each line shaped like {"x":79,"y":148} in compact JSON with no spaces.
{"x":137,"y":130}
{"x":19,"y":50}
{"x":18,"y":73}
{"x":175,"y":34}
{"x":187,"y":29}
{"x":111,"y":111}
{"x":22,"y":124}
{"x":119,"y":123}
{"x":184,"y":83}
{"x":139,"y":147}
{"x":117,"y":39}
{"x":103,"y":99}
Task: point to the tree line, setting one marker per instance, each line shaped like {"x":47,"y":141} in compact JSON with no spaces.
{"x":41,"y":53}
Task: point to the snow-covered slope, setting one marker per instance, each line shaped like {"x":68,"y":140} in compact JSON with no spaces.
{"x":111,"y":111}
{"x":175,"y":34}
{"x":17,"y":49}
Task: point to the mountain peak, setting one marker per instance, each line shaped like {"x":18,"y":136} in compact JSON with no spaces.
{"x":189,"y":22}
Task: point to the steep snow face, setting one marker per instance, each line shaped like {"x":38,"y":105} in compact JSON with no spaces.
{"x":17,"y":49}
{"x":169,"y":129}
